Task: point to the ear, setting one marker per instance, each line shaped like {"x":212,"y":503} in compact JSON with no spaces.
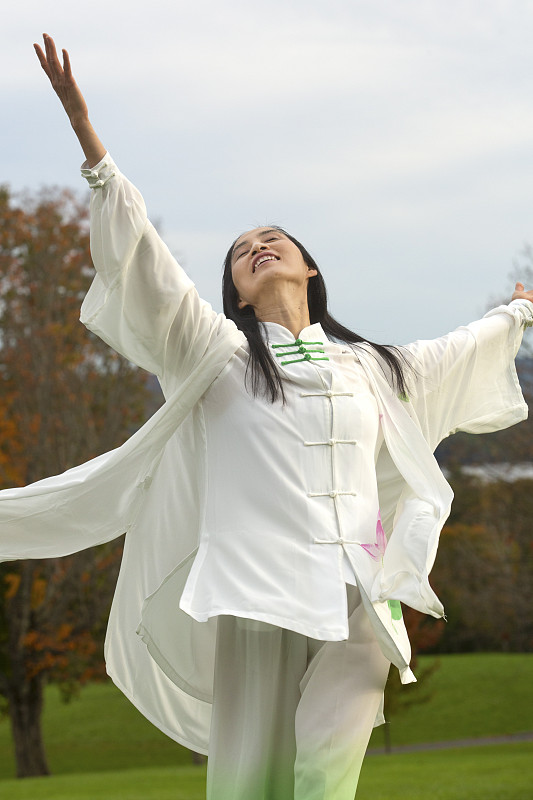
{"x":311,"y":272}
{"x":242,"y":304}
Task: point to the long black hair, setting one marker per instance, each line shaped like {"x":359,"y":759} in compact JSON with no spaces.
{"x":265,"y":374}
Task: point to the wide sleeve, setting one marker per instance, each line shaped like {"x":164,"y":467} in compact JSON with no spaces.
{"x":467,"y":380}
{"x":141,"y":302}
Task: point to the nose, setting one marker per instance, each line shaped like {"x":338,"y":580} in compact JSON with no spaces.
{"x":258,"y":246}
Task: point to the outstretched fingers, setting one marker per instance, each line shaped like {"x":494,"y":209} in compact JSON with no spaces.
{"x":72,"y":100}
{"x":42,"y":58}
{"x":521,"y":293}
{"x":66,"y":65}
{"x":51,"y":54}
{"x":62,"y":79}
{"x":50,"y":62}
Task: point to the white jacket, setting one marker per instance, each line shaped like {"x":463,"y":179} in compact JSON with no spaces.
{"x":152,"y":487}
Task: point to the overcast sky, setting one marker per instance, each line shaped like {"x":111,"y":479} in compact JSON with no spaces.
{"x":393,"y":137}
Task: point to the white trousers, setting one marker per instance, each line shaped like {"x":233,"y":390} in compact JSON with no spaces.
{"x":292,"y":716}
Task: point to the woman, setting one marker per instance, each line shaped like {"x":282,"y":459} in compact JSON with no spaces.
{"x":258,"y":606}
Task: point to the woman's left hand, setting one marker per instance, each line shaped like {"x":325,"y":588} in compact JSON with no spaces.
{"x":521,"y":294}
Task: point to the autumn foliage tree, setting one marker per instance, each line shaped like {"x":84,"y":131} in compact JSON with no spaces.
{"x":484,"y":569}
{"x":64,"y":398}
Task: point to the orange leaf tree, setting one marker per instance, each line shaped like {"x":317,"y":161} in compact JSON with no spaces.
{"x":64,"y":398}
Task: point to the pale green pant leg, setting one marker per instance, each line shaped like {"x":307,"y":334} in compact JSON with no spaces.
{"x":341,"y":695}
{"x":252,"y":745}
{"x":292,"y":716}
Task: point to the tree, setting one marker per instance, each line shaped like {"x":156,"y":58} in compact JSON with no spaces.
{"x":484,"y":569}
{"x":64,"y":398}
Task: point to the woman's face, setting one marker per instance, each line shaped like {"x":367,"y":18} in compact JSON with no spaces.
{"x":260,"y":259}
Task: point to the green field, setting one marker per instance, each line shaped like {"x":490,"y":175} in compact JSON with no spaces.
{"x":484,"y":773}
{"x":99,"y":746}
{"x":472,"y":695}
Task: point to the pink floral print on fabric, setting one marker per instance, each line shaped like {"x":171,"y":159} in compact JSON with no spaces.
{"x":376,"y":550}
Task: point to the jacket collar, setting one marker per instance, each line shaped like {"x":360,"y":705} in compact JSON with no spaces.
{"x":274,"y":333}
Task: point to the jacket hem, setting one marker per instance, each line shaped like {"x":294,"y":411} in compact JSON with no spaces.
{"x":321,"y":634}
{"x":166,"y":667}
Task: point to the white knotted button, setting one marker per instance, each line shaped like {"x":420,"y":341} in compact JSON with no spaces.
{"x":96,"y":178}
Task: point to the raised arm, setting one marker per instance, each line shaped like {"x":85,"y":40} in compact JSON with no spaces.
{"x":141,"y":302}
{"x":467,"y":380}
{"x":73,"y":102}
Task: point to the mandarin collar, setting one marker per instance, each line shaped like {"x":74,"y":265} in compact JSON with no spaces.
{"x":274,"y":333}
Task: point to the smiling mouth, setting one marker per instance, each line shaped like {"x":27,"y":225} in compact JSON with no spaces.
{"x":263,"y":259}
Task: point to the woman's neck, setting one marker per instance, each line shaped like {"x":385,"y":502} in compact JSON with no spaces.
{"x":293,"y":319}
{"x":289,"y":309}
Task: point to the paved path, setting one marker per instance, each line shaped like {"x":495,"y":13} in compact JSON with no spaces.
{"x":486,"y":740}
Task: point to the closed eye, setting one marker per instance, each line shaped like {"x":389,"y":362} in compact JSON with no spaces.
{"x":245,"y":252}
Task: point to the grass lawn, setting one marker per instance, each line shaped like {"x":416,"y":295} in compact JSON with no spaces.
{"x":472,"y":695}
{"x":484,"y":773}
{"x":476,"y":773}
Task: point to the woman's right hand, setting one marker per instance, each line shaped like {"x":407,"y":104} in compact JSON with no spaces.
{"x":62,"y":80}
{"x":71,"y":98}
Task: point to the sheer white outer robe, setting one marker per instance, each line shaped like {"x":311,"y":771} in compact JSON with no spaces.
{"x":153,"y":487}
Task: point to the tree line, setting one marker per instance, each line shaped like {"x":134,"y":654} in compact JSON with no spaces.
{"x":65,"y":397}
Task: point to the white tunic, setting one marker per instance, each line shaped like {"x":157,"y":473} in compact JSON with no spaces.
{"x":155,"y":486}
{"x":307,"y":471}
